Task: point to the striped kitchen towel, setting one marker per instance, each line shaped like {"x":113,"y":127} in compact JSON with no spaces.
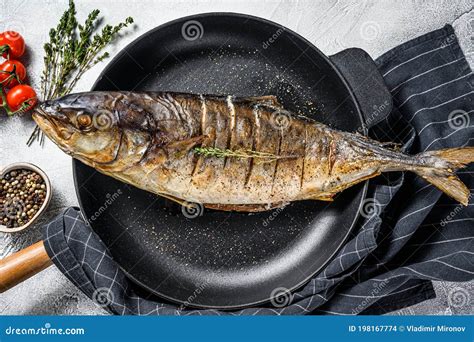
{"x":408,"y":234}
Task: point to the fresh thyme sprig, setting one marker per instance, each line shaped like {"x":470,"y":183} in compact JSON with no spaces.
{"x":71,"y":51}
{"x":243,"y":153}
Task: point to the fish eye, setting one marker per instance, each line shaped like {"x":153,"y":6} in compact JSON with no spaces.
{"x":84,"y":120}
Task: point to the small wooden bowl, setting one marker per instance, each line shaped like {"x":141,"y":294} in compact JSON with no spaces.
{"x":28,"y":166}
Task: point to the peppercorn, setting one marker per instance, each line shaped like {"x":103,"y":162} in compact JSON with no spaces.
{"x":22,"y":193}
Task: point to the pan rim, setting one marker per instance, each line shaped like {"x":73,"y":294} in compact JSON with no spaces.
{"x":363,"y":186}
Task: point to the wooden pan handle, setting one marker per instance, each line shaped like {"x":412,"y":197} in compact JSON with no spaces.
{"x":22,"y":265}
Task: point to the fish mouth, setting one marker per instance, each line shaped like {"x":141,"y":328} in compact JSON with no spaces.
{"x":42,"y":120}
{"x":54,"y":129}
{"x":38,"y":111}
{"x":40,"y":116}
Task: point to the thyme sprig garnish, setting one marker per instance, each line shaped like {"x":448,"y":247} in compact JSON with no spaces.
{"x":71,"y":51}
{"x":263,"y":157}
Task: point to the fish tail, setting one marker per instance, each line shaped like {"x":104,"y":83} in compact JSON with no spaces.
{"x":438,"y":168}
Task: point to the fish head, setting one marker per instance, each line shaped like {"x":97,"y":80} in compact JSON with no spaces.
{"x":83,"y":125}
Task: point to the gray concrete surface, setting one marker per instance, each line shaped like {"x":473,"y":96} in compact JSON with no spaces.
{"x":375,"y":26}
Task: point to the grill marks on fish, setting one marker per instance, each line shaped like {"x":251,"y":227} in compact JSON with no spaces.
{"x":267,"y":140}
{"x":203,"y":114}
{"x":255,"y":139}
{"x":231,"y":108}
{"x":215,"y":130}
{"x":250,"y":161}
{"x":240,"y":125}
{"x":275,"y":167}
{"x":203,"y":118}
{"x":220,"y":133}
{"x":288,"y":170}
{"x":242,"y":139}
{"x":305,"y":142}
{"x":331,"y":155}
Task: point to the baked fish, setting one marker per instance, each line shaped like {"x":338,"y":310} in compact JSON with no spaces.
{"x":228,"y":153}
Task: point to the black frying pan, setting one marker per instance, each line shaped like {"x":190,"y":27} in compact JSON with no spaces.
{"x":221,"y":259}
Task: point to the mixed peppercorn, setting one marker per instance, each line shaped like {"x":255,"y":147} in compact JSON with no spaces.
{"x":22,"y":192}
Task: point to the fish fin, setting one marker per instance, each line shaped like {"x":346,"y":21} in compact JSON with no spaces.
{"x":449,"y":183}
{"x":444,"y":178}
{"x":458,"y":157}
{"x":265,"y":99}
{"x":325,"y":197}
{"x":172,"y":198}
{"x":249,"y":208}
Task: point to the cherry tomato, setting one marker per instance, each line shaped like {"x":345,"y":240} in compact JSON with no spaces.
{"x":14,"y":44}
{"x":8,"y":67}
{"x":19,"y":95}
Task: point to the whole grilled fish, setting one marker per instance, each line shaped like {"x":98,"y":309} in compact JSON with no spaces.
{"x":228,"y":153}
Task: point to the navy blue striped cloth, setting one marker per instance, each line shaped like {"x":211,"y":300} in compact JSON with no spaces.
{"x":409,"y":235}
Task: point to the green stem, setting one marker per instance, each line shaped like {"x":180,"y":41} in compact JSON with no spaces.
{"x":5,"y":49}
{"x":55,"y":72}
{"x":4,"y":102}
{"x":82,"y":69}
{"x":13,"y":75}
{"x":243,"y":153}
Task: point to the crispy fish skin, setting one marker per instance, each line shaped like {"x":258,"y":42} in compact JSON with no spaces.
{"x":149,"y":140}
